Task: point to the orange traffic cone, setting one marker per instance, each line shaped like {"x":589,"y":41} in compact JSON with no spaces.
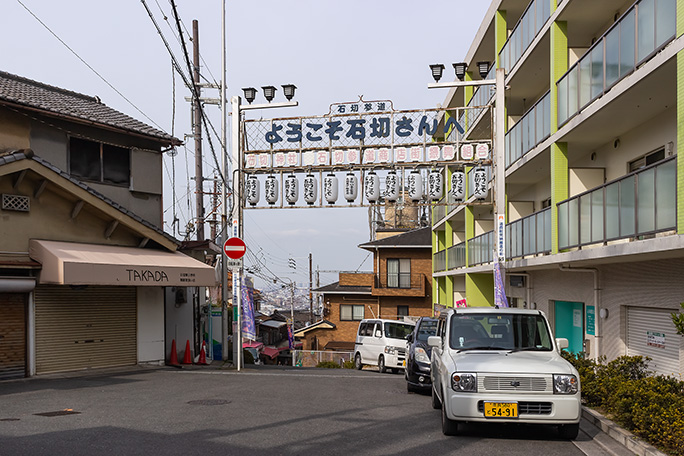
{"x":174,"y":354}
{"x":187,"y":358}
{"x":203,"y":355}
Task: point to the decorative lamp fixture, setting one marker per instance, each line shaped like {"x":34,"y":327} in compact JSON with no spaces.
{"x":269,"y":93}
{"x":289,"y":91}
{"x":460,"y":69}
{"x":435,"y":191}
{"x":372,"y":187}
{"x":437,"y":70}
{"x":458,"y":185}
{"x":330,"y":188}
{"x":250,"y":94}
{"x":291,"y":189}
{"x":392,"y":187}
{"x":252,"y":190}
{"x":414,"y":182}
{"x":483,"y":68}
{"x":351,"y":187}
{"x":310,"y":189}
{"x":271,"y":189}
{"x":480,"y":183}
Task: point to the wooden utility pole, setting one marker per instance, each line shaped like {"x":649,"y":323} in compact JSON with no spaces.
{"x":197,"y":132}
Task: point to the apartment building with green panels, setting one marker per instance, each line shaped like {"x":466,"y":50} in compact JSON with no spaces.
{"x":594,"y":188}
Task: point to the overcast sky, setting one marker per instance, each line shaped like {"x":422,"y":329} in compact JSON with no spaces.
{"x":333,"y":51}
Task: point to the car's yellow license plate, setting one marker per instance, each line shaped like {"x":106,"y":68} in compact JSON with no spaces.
{"x":501,"y":409}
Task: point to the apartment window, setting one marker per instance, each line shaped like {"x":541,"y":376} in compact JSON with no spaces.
{"x":402,"y":311}
{"x":399,"y":273}
{"x":351,"y":312}
{"x":546,"y":203}
{"x":94,"y":161}
{"x":647,"y":159}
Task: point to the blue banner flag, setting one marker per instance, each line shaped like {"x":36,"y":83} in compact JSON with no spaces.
{"x":499,"y":291}
{"x":248,"y":327}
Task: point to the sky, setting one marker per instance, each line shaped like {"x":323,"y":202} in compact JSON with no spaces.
{"x":333,"y":51}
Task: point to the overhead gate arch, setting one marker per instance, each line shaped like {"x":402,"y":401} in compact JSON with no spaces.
{"x":83,"y":328}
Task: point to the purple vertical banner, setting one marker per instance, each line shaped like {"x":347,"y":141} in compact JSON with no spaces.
{"x":248,"y":328}
{"x":499,"y":292}
{"x":290,"y":333}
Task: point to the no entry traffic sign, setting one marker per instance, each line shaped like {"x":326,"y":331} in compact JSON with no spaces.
{"x":234,"y":248}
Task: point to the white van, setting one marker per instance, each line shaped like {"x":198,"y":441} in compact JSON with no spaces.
{"x":381,"y":343}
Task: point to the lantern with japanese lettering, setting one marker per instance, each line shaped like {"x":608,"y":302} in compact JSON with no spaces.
{"x":271,"y":189}
{"x":392,"y":187}
{"x":351,"y":187}
{"x":435,"y":184}
{"x":252,"y":190}
{"x":414,"y":182}
{"x":291,"y":189}
{"x":371,"y":187}
{"x":458,"y":185}
{"x":479,"y":183}
{"x":310,"y":189}
{"x":330,"y":188}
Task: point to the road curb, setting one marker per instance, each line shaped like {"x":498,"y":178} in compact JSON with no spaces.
{"x":620,"y":435}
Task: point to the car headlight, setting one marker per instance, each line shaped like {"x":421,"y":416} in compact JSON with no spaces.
{"x":422,"y":356}
{"x":390,"y":350}
{"x":565,"y":384}
{"x":464,"y":382}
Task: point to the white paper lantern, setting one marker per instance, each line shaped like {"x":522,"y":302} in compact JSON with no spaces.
{"x":458,"y":185}
{"x":271,"y":190}
{"x":414,"y":182}
{"x":371,"y":187}
{"x":480,"y":183}
{"x":310,"y":189}
{"x":330,"y":188}
{"x":392,"y":187}
{"x":291,"y":189}
{"x":435,"y":185}
{"x":351,"y":187}
{"x":252,"y":190}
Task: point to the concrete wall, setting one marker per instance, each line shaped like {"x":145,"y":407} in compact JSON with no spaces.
{"x":178,"y":320}
{"x":150,"y":325}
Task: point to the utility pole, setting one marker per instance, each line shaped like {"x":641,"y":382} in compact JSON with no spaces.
{"x":197,"y":132}
{"x":311,"y":316}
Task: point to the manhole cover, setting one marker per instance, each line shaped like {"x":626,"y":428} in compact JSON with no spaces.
{"x":58,"y":413}
{"x":209,"y":402}
{"x":9,"y":419}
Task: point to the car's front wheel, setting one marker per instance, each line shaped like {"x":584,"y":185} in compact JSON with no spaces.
{"x":357,"y":361}
{"x":568,"y":431}
{"x":381,"y":364}
{"x":449,"y":427}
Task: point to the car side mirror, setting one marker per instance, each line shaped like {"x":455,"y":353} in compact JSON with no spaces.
{"x":434,"y":341}
{"x":409,"y":337}
{"x":378,"y":333}
{"x":562,"y":343}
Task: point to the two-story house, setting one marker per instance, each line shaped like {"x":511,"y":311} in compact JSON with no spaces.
{"x":399,"y":287}
{"x":594,"y":201}
{"x":84,"y":262}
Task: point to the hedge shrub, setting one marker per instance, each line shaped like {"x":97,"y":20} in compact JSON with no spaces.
{"x":650,"y":406}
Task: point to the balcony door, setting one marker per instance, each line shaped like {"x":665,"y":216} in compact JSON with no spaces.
{"x":399,"y":273}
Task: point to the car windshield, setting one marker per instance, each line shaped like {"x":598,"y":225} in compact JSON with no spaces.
{"x":397,"y":330}
{"x":515,"y":332}
{"x":426,"y":329}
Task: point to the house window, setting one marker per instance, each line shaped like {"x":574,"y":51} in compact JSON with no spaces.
{"x":94,"y":161}
{"x":399,"y":273}
{"x":402,"y":311}
{"x":351,"y":312}
{"x":647,"y":159}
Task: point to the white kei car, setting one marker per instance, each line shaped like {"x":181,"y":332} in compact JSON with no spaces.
{"x":502,"y":365}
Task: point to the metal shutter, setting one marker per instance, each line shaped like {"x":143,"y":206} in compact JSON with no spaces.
{"x":85,"y":328}
{"x":12,"y":335}
{"x":663,"y":344}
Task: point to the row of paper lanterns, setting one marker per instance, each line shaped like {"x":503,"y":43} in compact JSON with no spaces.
{"x":414,"y":187}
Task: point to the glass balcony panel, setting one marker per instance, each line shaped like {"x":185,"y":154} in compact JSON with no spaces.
{"x":563,"y":234}
{"x":666,"y":196}
{"x":597,"y":215}
{"x":573,"y":220}
{"x":627,"y":212}
{"x":573,"y":91}
{"x":597,"y":71}
{"x":585,"y":218}
{"x":612,"y":44}
{"x":646,"y":201}
{"x":547,"y":115}
{"x":584,"y":81}
{"x":519,"y":240}
{"x":627,"y":56}
{"x":665,"y":21}
{"x":547,"y":230}
{"x":646,"y":28}
{"x":613,"y":211}
{"x":563,"y":100}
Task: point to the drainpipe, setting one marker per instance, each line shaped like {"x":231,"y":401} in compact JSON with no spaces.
{"x":597,"y":318}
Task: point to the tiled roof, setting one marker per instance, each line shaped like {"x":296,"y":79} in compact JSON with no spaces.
{"x":340,"y":289}
{"x":28,"y":154}
{"x":419,"y":238}
{"x":65,"y":103}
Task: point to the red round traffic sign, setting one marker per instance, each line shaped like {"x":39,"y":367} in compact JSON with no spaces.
{"x":235,"y":248}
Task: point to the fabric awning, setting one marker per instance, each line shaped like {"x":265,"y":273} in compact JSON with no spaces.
{"x":70,"y":263}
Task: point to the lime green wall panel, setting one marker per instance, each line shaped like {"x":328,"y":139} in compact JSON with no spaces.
{"x":559,"y":65}
{"x":479,"y":290}
{"x":500,"y":32}
{"x":680,"y":131}
{"x":559,"y":186}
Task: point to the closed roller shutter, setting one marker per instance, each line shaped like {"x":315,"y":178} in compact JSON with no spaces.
{"x":85,"y":328}
{"x":650,"y":332}
{"x":12,"y":335}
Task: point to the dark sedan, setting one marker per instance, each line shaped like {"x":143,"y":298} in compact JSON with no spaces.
{"x":417,"y":370}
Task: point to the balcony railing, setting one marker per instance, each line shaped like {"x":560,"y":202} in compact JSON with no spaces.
{"x":529,"y":235}
{"x":481,"y":249}
{"x":641,"y":203}
{"x":524,"y":32}
{"x":439,"y":261}
{"x":456,"y":256}
{"x":532,"y":128}
{"x":478,"y":102}
{"x":643,"y":30}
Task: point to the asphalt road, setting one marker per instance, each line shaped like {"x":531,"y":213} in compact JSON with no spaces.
{"x":259,"y":411}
